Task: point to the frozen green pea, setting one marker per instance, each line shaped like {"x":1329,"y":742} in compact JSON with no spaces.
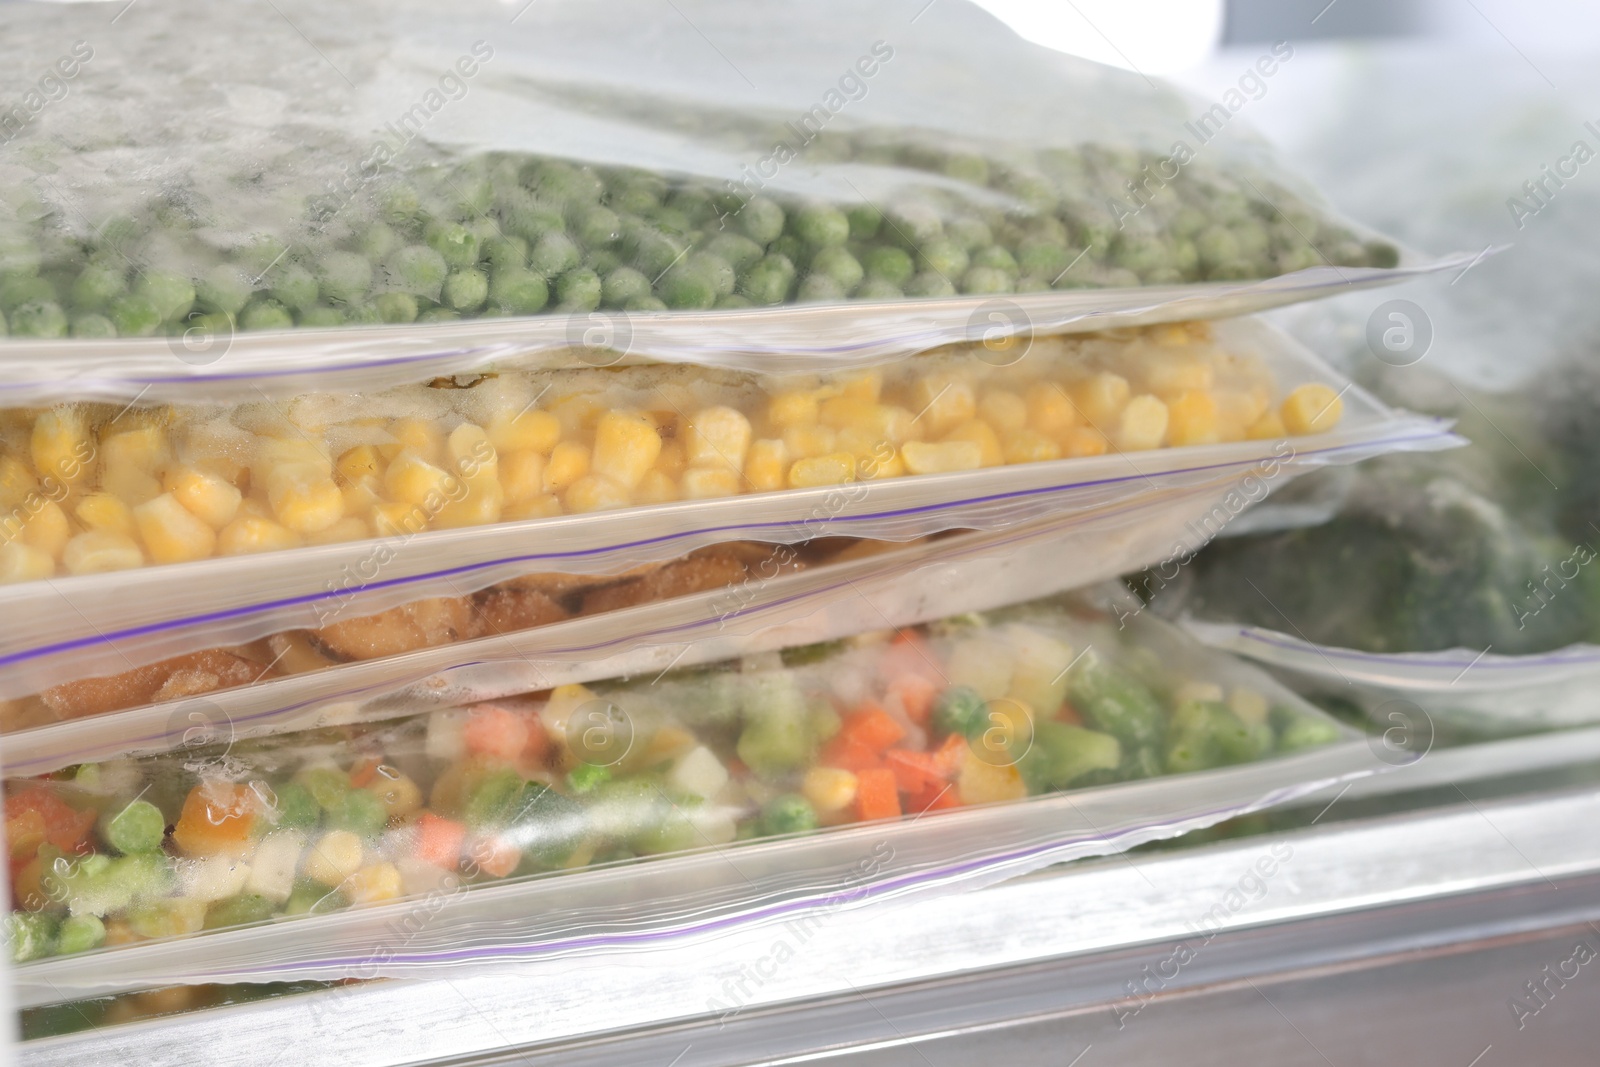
{"x":548,"y":825}
{"x":970,"y":233}
{"x":819,"y":289}
{"x":139,"y":827}
{"x":865,"y":222}
{"x":788,"y":813}
{"x":377,"y":241}
{"x":359,"y":811}
{"x":821,"y":226}
{"x":343,"y":277}
{"x":80,"y":933}
{"x":733,"y":301}
{"x":172,"y":294}
{"x":767,"y":281}
{"x":439,"y":314}
{"x":466,"y":290}
{"x":946,"y":257}
{"x":1162,"y":276}
{"x":518,"y":290}
{"x":761,"y":220}
{"x":314,"y":898}
{"x":967,"y":167}
{"x":32,"y":935}
{"x":634,"y":200}
{"x":399,"y":204}
{"x":295,"y":807}
{"x":416,"y":269}
{"x":653,"y":252}
{"x":718,"y":271}
{"x":293,"y":286}
{"x":91,"y":324}
{"x":913,"y":225}
{"x":588,"y":777}
{"x":879,"y":289}
{"x":929,"y":283}
{"x":554,"y":254}
{"x":265,"y":314}
{"x":224,"y":287}
{"x":1120,"y":278}
{"x":960,"y":710}
{"x":509,"y":251}
{"x":736,"y":249}
{"x":14,"y":292}
{"x":837,"y":263}
{"x":320,"y":316}
{"x":456,"y":245}
{"x":136,"y":316}
{"x":1217,"y":245}
{"x":19,"y":257}
{"x":97,"y":285}
{"x":1297,"y":729}
{"x":996,"y":257}
{"x":578,"y":290}
{"x":1042,"y":258}
{"x":646,"y":303}
{"x":5,"y":329}
{"x":366,"y":314}
{"x":395,"y":307}
{"x":1234,"y":271}
{"x":563,"y":182}
{"x":670,"y":220}
{"x":603,"y":260}
{"x":622,"y":285}
{"x":528,"y":217}
{"x":39,"y":318}
{"x":1382,"y":254}
{"x":239,"y":910}
{"x":893,"y":265}
{"x":595,"y":226}
{"x":790,"y":247}
{"x":683,"y":287}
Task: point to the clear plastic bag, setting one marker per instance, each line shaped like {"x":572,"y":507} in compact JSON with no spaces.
{"x":562,"y":796}
{"x":422,"y":167}
{"x":1095,"y":401}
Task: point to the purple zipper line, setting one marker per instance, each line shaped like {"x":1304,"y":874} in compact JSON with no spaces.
{"x":309,"y":598}
{"x":1378,"y":657}
{"x":18,"y":768}
{"x":397,"y":361}
{"x":778,"y":910}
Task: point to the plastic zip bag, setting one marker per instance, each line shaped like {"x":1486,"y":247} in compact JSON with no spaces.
{"x":104,"y":624}
{"x":797,"y":745}
{"x":467,"y":165}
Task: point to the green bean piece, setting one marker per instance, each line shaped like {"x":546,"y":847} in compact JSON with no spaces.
{"x":1061,"y":755}
{"x":1114,"y":702}
{"x":238,"y":910}
{"x":314,"y":898}
{"x":80,"y":933}
{"x":546,"y":825}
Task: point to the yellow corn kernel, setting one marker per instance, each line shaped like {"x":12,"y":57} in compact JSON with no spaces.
{"x":1170,"y":335}
{"x":251,"y":533}
{"x":809,"y":441}
{"x":1192,"y":420}
{"x":1267,"y":428}
{"x":397,"y":792}
{"x":718,"y":437}
{"x":214,"y":501}
{"x":569,"y":461}
{"x":1143,"y":424}
{"x":332,"y":858}
{"x":829,"y":789}
{"x":304,"y":499}
{"x":1083,"y":441}
{"x":360,"y":463}
{"x":1100,"y":399}
{"x":766,"y":464}
{"x":348,"y":528}
{"x":482,"y":504}
{"x":594,"y":492}
{"x":984,"y":782}
{"x":132,"y":485}
{"x":539,"y":507}
{"x":1170,"y":373}
{"x":943,"y":401}
{"x":470,"y":453}
{"x":702,"y":483}
{"x":674,"y":459}
{"x":412,"y":479}
{"x":1004,"y":410}
{"x":1050,"y":409}
{"x":171,"y":533}
{"x":98,"y":551}
{"x":535,"y":431}
{"x":421,"y":436}
{"x":24,"y":563}
{"x":835,"y":468}
{"x":47,"y":528}
{"x":61,"y":446}
{"x":884,"y":463}
{"x":1198,"y":329}
{"x":275,"y":452}
{"x":522,"y":475}
{"x":141,"y":448}
{"x":398,"y":520}
{"x":374,"y":884}
{"x":793,"y":408}
{"x":656,"y":488}
{"x":981,"y":434}
{"x":1249,"y":704}
{"x":361,"y":497}
{"x":626,"y":444}
{"x":1242,"y":406}
{"x":102,"y":511}
{"x":17,"y":482}
{"x":1030,"y":446}
{"x":577,"y":414}
{"x":255,"y":508}
{"x":1311,"y":408}
{"x":865,"y":386}
{"x":930,"y":457}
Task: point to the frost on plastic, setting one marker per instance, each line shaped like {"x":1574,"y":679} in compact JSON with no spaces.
{"x":412,"y":168}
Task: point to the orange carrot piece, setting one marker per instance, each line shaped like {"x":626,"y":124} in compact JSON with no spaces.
{"x":935,"y":797}
{"x":537,"y":746}
{"x":949,"y":756}
{"x":217,"y":818}
{"x":1069,"y":714}
{"x":877,"y":796}
{"x":363,"y":773}
{"x":913,"y":771}
{"x":871,"y":726}
{"x":439,"y":840}
{"x":496,"y":732}
{"x":494,"y":856}
{"x":848,"y":754}
{"x":916,"y":694}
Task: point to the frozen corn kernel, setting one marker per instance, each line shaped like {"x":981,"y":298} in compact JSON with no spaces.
{"x":1050,"y":410}
{"x":130,"y":484}
{"x":61,"y":446}
{"x":360,"y":463}
{"x":655,"y":488}
{"x":806,"y":442}
{"x":1030,"y":446}
{"x":1142,"y":425}
{"x":718,"y":437}
{"x":304,"y":499}
{"x":594,"y":492}
{"x":332,"y":858}
{"x":1194,"y":689}
{"x":1249,"y":704}
{"x":1192,"y":420}
{"x":534,"y":431}
{"x":702,"y":483}
{"x":980,"y":433}
{"x":171,"y":533}
{"x":1268,"y":427}
{"x":98,"y":551}
{"x":522,"y":475}
{"x":938,"y":457}
{"x":1311,"y":408}
{"x":480,"y":504}
{"x":626,"y":444}
{"x":21,"y":562}
{"x":829,"y":789}
{"x":569,"y":461}
{"x":866,"y":385}
{"x":275,"y":452}
{"x":397,"y":520}
{"x":1004,"y":410}
{"x":361,"y":497}
{"x":886,"y":462}
{"x":17,"y":482}
{"x":102,"y":511}
{"x":46,"y":527}
{"x":1081,"y":441}
{"x":411,"y":479}
{"x":348,"y":528}
{"x":577,"y":415}
{"x":1171,"y":335}
{"x":673,"y":461}
{"x":374,"y":884}
{"x":1100,"y":399}
{"x":793,"y":408}
{"x":469,"y":451}
{"x":420,"y":436}
{"x":212,"y":500}
{"x":539,"y":507}
{"x":943,"y":401}
{"x":835,"y":468}
{"x":141,"y":448}
{"x":397,"y":792}
{"x":1170,"y":373}
{"x":766,"y":465}
{"x":250,"y":533}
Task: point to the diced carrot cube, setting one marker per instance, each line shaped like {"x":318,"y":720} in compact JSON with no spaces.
{"x":871,"y":726}
{"x":495,"y":856}
{"x":365,"y":770}
{"x":913,"y":771}
{"x":916,"y":694}
{"x":35,"y":814}
{"x":848,"y":754}
{"x":439,"y":840}
{"x":936,"y":797}
{"x":537,"y":746}
{"x":497,"y":732}
{"x":217,"y":818}
{"x":877,"y":795}
{"x":948,"y":757}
